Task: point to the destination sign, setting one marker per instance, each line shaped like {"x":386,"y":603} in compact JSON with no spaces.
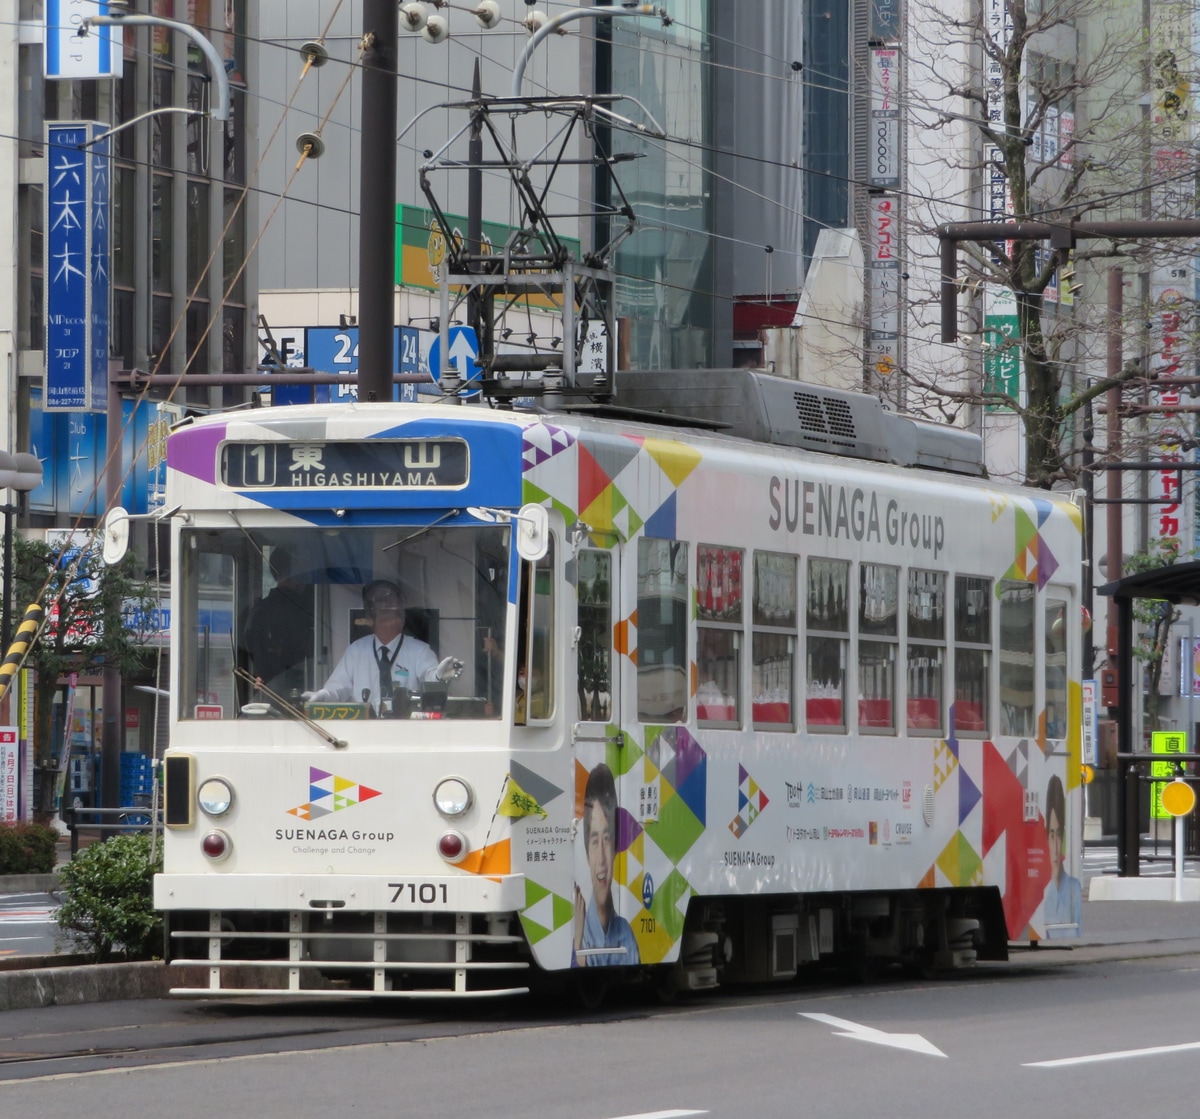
{"x":374,"y":464}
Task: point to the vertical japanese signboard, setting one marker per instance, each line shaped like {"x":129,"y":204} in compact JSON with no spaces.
{"x":1173,"y":277}
{"x":10,"y":775}
{"x":1163,"y":742}
{"x":99,"y":254}
{"x":76,"y":267}
{"x":884,"y":282}
{"x":999,"y":32}
{"x":883,"y":159}
{"x":1001,"y":347}
{"x":1091,"y":699}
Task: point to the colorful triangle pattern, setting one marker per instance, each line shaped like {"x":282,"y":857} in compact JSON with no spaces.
{"x":751,"y":801}
{"x":329,"y":793}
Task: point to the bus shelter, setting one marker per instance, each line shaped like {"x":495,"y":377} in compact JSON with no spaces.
{"x":1178,"y":584}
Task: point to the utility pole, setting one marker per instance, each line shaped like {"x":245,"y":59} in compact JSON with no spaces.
{"x":377,"y":202}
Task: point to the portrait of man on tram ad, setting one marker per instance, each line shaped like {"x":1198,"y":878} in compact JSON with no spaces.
{"x":602,"y":936}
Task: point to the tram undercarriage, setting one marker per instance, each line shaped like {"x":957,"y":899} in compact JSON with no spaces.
{"x":726,"y":940}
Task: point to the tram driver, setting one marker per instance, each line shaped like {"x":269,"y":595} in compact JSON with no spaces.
{"x":388,"y":660}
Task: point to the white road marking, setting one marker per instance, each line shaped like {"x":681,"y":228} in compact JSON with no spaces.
{"x":1119,"y":1055}
{"x":915,"y":1043}
{"x":661,"y":1115}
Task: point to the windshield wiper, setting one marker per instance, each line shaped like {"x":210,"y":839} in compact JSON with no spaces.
{"x":289,"y":709}
{"x":422,"y":530}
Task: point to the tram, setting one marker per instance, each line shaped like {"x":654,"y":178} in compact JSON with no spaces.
{"x":692,"y":705}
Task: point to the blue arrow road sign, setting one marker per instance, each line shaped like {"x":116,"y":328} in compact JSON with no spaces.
{"x":464,"y":350}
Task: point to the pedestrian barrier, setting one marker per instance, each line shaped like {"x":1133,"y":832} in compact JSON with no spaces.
{"x":110,"y":821}
{"x":1141,"y":772}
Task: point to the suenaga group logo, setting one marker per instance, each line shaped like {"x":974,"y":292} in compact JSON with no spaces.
{"x":751,"y":801}
{"x":329,"y":793}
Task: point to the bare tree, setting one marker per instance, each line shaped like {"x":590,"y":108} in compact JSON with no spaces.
{"x":1037,"y":110}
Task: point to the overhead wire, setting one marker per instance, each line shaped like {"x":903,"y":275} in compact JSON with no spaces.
{"x":684,"y":141}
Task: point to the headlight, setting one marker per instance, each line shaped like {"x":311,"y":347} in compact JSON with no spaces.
{"x":215,"y":796}
{"x":452,"y":796}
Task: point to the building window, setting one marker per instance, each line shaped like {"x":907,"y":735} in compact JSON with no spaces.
{"x":235,"y":138}
{"x":197,"y":337}
{"x":197,"y":233}
{"x":233,"y":341}
{"x":162,"y":322}
{"x":827,"y":643}
{"x":161,"y":141}
{"x":234,"y":248}
{"x":926,"y":650}
{"x":160,"y":234}
{"x":773,"y":650}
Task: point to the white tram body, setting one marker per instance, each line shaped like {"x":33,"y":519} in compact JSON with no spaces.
{"x":839,"y":701}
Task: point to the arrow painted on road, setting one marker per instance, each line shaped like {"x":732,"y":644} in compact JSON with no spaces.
{"x":913,"y":1042}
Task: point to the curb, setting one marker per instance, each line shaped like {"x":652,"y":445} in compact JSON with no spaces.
{"x":29,"y":883}
{"x":75,"y":984}
{"x":72,"y":985}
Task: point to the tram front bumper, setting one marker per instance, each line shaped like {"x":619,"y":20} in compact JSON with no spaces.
{"x":396,"y":893}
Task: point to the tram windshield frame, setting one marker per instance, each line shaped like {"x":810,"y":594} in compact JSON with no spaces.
{"x":266,"y":615}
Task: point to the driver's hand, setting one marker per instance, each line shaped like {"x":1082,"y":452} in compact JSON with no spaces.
{"x":448,"y":669}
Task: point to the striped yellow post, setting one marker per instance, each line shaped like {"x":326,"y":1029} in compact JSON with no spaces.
{"x":22,"y":640}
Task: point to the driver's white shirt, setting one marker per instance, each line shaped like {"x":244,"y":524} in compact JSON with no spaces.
{"x":358,"y":670}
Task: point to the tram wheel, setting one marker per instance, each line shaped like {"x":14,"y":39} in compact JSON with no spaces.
{"x":591,"y":989}
{"x":662,"y":983}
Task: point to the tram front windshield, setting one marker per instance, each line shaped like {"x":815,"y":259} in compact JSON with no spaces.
{"x":343,"y":623}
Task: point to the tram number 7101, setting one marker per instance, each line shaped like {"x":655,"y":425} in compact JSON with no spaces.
{"x":419,"y":893}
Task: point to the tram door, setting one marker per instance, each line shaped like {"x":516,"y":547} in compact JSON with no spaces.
{"x":602,"y":933}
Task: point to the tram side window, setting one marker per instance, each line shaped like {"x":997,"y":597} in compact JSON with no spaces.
{"x":719,"y":635}
{"x":595,"y":635}
{"x":827,"y":624}
{"x":206,"y":673}
{"x":878,"y":639}
{"x":662,"y":655}
{"x":773,"y":650}
{"x":1056,"y":668}
{"x":535,"y":694}
{"x":972,"y":653}
{"x":1017,"y":651}
{"x":926,"y":650}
